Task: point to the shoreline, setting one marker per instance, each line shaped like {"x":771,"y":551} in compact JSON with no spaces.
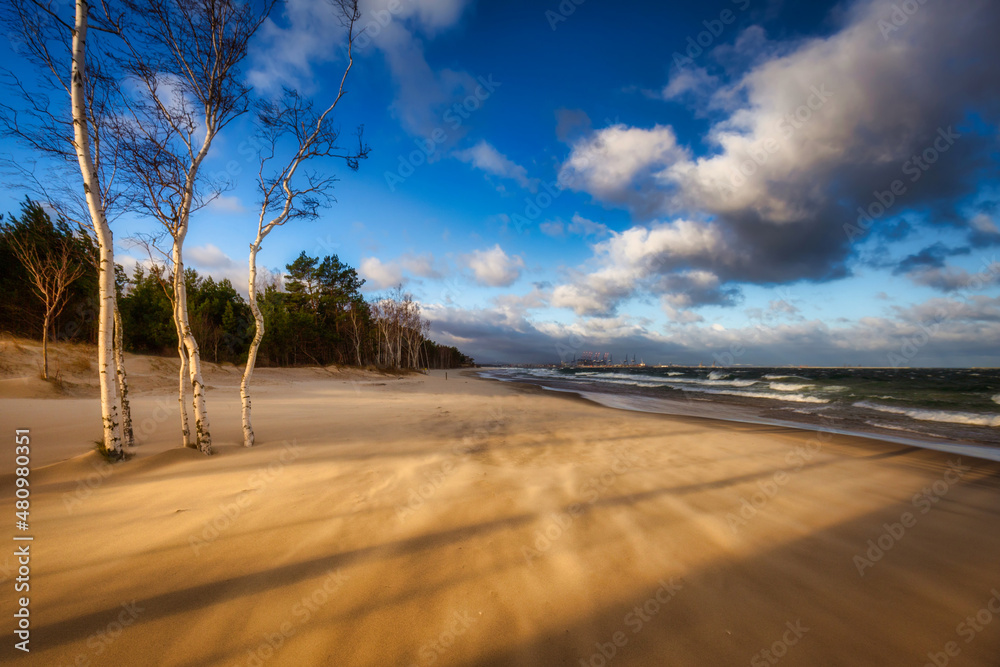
{"x":427,"y":522}
{"x":662,"y":406}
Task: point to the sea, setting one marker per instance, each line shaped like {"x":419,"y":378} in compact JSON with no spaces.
{"x":952,"y":409}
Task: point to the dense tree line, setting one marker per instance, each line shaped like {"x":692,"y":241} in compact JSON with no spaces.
{"x":316,"y":315}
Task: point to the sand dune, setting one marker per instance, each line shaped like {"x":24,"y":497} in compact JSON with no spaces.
{"x":418,"y":521}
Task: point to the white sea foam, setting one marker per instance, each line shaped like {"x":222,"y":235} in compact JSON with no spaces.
{"x":785,"y":386}
{"x":717,"y":375}
{"x":631,"y":383}
{"x":794,"y":398}
{"x":996,"y":399}
{"x":714,"y":383}
{"x":971,"y":418}
{"x":892,"y":427}
{"x":784,"y":377}
{"x":673,"y":373}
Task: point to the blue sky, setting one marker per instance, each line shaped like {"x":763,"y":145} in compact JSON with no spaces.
{"x":673,"y":180}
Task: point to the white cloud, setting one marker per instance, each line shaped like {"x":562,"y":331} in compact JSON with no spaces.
{"x":227,"y":205}
{"x":642,"y":258}
{"x":210,"y":260}
{"x":578,"y":226}
{"x":487,"y":158}
{"x":693,"y":80}
{"x":379,"y":275}
{"x":209,"y":256}
{"x":494,"y":267}
{"x":607,"y":163}
{"x":553,"y":228}
{"x":584,"y":227}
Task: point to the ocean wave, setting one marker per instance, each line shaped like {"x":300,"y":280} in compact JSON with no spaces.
{"x":794,"y":398}
{"x":833,"y":387}
{"x":996,"y":399}
{"x":630,"y":383}
{"x":717,"y":375}
{"x":806,"y":411}
{"x":714,"y":383}
{"x":673,"y":373}
{"x":893,"y":427}
{"x":970,"y":418}
{"x":785,"y":386}
{"x":784,"y":377}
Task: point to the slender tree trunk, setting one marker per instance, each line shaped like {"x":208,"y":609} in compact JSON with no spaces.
{"x":203,"y":437}
{"x":45,"y":344}
{"x":127,"y":432}
{"x":182,"y":374}
{"x":182,"y":386}
{"x":110,"y":402}
{"x":258,"y":336}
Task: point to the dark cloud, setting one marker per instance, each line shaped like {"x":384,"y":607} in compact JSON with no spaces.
{"x":916,"y":107}
{"x":931,"y":257}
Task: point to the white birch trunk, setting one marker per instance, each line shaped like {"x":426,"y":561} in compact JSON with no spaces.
{"x":110,"y":402}
{"x":203,"y":437}
{"x":182,"y":382}
{"x":258,"y":336}
{"x":122,"y":376}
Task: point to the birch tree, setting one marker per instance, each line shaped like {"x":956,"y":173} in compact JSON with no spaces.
{"x":50,"y":41}
{"x":160,"y":260}
{"x":184,"y":58}
{"x":285,"y":197}
{"x":53,"y":263}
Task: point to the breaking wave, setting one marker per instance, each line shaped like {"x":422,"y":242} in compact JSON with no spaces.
{"x":935,"y":415}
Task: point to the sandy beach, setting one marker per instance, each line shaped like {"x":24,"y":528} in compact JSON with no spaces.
{"x":414,"y":520}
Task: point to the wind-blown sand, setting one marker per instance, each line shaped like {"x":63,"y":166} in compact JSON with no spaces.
{"x":419,"y":521}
